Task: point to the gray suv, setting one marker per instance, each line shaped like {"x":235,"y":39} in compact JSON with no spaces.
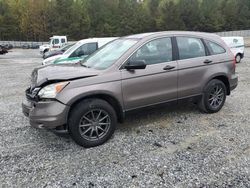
{"x":89,"y":98}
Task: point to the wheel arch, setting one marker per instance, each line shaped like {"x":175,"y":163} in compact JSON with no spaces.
{"x":45,"y":50}
{"x":106,"y":97}
{"x":224,"y":79}
{"x":239,"y":53}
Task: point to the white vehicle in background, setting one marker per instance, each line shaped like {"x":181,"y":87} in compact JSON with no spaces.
{"x":55,"y":43}
{"x":79,"y":51}
{"x":236,"y":45}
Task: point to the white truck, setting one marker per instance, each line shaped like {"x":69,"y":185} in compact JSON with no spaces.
{"x":55,"y":43}
{"x":236,"y":45}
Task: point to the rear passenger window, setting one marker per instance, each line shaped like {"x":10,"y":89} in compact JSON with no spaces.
{"x":190,"y":47}
{"x":215,"y":48}
{"x":156,"y":51}
{"x":62,"y":40}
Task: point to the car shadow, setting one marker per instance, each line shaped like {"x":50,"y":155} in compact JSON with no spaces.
{"x":157,"y":113}
{"x":148,"y":115}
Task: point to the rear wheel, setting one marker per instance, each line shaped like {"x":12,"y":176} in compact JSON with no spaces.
{"x":214,"y":97}
{"x":92,"y":122}
{"x":238,"y":58}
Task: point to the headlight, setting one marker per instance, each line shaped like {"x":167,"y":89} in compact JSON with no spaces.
{"x":50,"y":91}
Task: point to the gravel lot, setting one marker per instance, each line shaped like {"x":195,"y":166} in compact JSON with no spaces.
{"x":175,"y":146}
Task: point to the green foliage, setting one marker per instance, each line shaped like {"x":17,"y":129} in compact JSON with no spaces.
{"x":40,"y":19}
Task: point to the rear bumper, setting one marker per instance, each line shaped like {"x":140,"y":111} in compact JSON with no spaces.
{"x":47,"y":114}
{"x":233,"y":82}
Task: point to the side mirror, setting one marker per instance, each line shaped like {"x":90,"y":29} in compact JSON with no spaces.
{"x":132,"y":65}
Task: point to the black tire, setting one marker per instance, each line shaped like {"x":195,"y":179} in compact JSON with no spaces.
{"x":46,"y":50}
{"x":208,"y":102}
{"x":238,"y":58}
{"x":82,"y":110}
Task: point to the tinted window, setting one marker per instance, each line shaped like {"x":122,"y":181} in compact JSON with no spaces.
{"x":190,"y":47}
{"x":62,"y":40}
{"x":156,"y":51}
{"x":85,"y":49}
{"x":215,"y":48}
{"x":56,"y":41}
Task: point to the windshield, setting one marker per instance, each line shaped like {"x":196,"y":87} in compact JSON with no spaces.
{"x":71,"y":49}
{"x":107,"y":55}
{"x":50,"y":41}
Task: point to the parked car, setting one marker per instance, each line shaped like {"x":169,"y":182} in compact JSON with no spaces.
{"x":3,"y":50}
{"x":34,"y":46}
{"x":55,"y":43}
{"x":8,"y":46}
{"x":57,"y":52}
{"x":79,"y":51}
{"x":25,"y":46}
{"x":237,"y":46}
{"x":129,"y":73}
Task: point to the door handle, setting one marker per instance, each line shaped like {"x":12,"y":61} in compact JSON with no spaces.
{"x":207,"y":61}
{"x":168,"y":67}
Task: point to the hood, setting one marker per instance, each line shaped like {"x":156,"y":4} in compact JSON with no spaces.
{"x":44,"y":46}
{"x":50,"y":60}
{"x":60,"y":72}
{"x":52,"y":53}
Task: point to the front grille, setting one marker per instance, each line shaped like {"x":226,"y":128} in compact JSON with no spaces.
{"x":31,"y":94}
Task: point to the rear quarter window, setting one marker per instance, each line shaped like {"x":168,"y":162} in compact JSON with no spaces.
{"x":215,"y":48}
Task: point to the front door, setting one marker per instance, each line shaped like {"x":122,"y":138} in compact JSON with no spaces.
{"x":156,"y":83}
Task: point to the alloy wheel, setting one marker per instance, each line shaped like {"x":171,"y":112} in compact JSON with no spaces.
{"x":216,"y":97}
{"x":94,"y":124}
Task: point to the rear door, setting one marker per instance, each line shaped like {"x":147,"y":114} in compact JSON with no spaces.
{"x":156,"y":83}
{"x":192,"y":65}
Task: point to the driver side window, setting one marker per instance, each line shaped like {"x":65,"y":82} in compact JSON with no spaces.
{"x":56,"y":41}
{"x":154,"y":52}
{"x":85,"y":49}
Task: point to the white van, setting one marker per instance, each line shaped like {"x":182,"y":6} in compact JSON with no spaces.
{"x":79,"y":51}
{"x":236,"y":45}
{"x":55,"y":43}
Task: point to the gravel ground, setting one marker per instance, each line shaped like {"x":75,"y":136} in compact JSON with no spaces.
{"x":175,"y":146}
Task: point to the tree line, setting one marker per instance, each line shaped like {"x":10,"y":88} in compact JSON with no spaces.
{"x":39,"y":19}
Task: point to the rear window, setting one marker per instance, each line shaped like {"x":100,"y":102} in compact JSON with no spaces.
{"x":215,"y":48}
{"x":190,"y":47}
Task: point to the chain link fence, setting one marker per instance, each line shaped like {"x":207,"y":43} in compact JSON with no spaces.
{"x":22,"y":44}
{"x":241,"y":33}
{"x":32,"y":44}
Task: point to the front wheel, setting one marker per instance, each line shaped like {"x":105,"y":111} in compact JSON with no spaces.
{"x":214,"y":96}
{"x":92,"y":122}
{"x":238,"y":58}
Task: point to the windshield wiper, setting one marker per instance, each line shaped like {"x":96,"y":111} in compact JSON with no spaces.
{"x":84,"y":65}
